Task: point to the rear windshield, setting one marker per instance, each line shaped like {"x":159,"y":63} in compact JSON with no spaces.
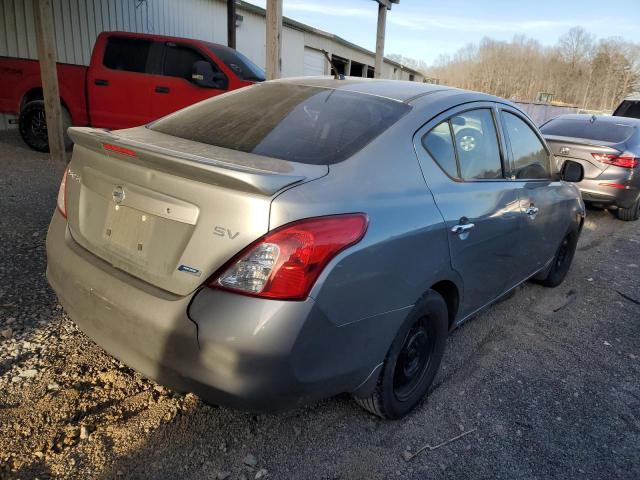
{"x":311,"y":125}
{"x":244,"y":68}
{"x":610,"y":132}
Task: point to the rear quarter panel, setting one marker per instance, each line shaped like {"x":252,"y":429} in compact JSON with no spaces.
{"x":405,"y":249}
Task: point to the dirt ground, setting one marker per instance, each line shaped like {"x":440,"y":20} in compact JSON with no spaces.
{"x":549,"y":380}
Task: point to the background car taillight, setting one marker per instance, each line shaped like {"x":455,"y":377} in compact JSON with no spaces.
{"x":62,"y":194}
{"x":286,"y":262}
{"x":619,"y":161}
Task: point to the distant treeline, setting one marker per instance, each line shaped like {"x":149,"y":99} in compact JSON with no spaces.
{"x":578,"y":70}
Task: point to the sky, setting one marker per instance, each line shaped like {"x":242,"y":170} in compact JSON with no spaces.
{"x":424,"y":29}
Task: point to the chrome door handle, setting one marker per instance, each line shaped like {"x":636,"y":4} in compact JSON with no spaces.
{"x":531,"y":211}
{"x":462,"y":228}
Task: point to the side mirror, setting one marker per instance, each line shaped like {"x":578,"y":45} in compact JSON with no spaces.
{"x":204,"y":76}
{"x":572,"y":171}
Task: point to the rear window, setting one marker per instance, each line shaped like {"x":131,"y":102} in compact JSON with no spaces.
{"x":628,"y":108}
{"x":609,"y":132}
{"x":129,"y":54}
{"x":244,"y":68}
{"x":311,"y":125}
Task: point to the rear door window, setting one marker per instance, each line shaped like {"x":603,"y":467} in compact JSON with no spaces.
{"x":477,"y":146}
{"x":128,"y":54}
{"x":530,"y":158}
{"x":299,"y":123}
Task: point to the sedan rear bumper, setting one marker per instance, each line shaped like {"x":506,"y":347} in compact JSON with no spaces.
{"x":243,"y":352}
{"x":593,"y":191}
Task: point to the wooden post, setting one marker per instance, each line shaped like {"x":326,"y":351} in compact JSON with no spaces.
{"x":274,"y":39}
{"x":382,"y":21}
{"x":46,"y":44}
{"x":231,"y":23}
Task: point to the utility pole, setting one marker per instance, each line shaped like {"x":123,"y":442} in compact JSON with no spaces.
{"x":274,"y":39}
{"x":46,"y":44}
{"x":231,"y":23}
{"x":383,"y":6}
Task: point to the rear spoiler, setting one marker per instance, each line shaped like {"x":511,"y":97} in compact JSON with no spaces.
{"x":215,"y":165}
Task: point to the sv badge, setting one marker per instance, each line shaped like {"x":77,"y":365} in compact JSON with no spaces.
{"x":225,"y":232}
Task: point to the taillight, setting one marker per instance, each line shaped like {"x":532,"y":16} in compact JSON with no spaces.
{"x":614,"y":185}
{"x":62,"y":194}
{"x":286,"y":262}
{"x":624,"y":161}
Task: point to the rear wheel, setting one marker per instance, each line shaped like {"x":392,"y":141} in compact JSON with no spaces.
{"x":412,"y":361}
{"x":561,"y":261}
{"x":32,"y":123}
{"x":631,"y":213}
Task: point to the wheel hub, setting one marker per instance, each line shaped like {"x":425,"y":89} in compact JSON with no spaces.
{"x":412,"y":361}
{"x":467,"y":143}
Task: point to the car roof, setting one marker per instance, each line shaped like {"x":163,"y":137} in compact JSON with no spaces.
{"x":634,"y":97}
{"x":398,"y":90}
{"x":614,"y":120}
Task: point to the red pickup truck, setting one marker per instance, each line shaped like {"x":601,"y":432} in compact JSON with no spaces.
{"x":132,"y":79}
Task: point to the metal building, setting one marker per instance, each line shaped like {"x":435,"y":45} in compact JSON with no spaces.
{"x":78,"y":22}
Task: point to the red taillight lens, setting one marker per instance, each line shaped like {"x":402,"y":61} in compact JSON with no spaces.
{"x":62,"y":194}
{"x":624,"y":162}
{"x":286,"y":262}
{"x":614,"y":185}
{"x":118,"y":149}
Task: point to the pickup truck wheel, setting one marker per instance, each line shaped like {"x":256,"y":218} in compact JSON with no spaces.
{"x":412,"y":361}
{"x":561,"y":261}
{"x":32,"y":123}
{"x":631,"y":213}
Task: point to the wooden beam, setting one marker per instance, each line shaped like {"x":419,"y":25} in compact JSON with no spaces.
{"x":274,"y":39}
{"x":231,"y":23}
{"x":46,"y":44}
{"x":382,"y":21}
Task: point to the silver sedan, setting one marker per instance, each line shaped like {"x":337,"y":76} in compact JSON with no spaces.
{"x":301,"y":238}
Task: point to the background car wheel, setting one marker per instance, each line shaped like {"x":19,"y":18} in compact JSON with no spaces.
{"x":412,"y":361}
{"x":561,"y":261}
{"x":631,"y":213}
{"x":468,"y":139}
{"x":32,"y":123}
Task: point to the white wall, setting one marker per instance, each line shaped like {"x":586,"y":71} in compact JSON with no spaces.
{"x":78,"y":23}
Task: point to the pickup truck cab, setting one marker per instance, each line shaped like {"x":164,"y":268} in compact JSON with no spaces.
{"x":132,"y":79}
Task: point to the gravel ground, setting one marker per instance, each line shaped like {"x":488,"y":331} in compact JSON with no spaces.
{"x":548,"y":380}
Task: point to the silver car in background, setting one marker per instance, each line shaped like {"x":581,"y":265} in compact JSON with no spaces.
{"x":301,"y":238}
{"x":608,"y":148}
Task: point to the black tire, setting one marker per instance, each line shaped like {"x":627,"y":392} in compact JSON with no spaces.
{"x":630,"y":214}
{"x":33,"y":126}
{"x":561,"y":261}
{"x":412,"y":360}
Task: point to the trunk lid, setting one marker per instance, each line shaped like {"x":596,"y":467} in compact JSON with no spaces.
{"x":581,"y":150}
{"x":167,"y":210}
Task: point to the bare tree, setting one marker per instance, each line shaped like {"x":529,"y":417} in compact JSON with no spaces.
{"x":578,"y":70}
{"x":576,"y":45}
